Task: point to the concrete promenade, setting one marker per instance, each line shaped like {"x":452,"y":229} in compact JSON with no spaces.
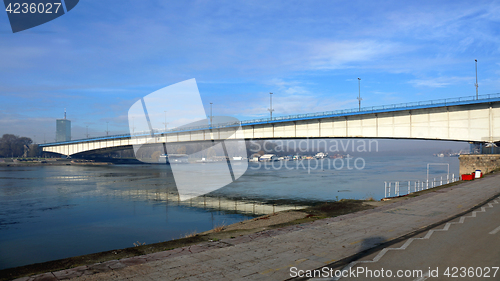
{"x":269,"y":255}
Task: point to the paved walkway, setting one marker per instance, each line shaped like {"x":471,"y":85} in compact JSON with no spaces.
{"x":469,"y":242}
{"x":269,"y":255}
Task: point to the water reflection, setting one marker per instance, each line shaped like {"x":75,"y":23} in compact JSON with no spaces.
{"x":207,"y":202}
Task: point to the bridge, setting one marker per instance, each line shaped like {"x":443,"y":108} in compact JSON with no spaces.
{"x":468,"y":119}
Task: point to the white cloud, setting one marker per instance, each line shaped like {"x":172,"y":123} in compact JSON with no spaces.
{"x":339,"y":54}
{"x":441,"y":82}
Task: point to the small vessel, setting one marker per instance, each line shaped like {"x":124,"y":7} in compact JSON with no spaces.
{"x":163,"y":159}
{"x":253,"y":159}
{"x":173,"y":158}
{"x":268,"y":158}
{"x":320,"y":155}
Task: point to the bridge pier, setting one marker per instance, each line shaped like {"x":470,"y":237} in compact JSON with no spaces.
{"x":484,"y":148}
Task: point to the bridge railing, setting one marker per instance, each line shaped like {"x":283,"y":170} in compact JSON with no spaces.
{"x":400,"y":188}
{"x":340,"y":112}
{"x":444,"y":102}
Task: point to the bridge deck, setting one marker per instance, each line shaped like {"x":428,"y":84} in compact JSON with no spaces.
{"x":469,"y":100}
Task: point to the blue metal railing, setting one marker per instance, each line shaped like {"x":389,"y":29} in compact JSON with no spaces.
{"x":279,"y":119}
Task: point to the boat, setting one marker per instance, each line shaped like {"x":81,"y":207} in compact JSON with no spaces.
{"x":320,"y":155}
{"x":268,"y":158}
{"x":173,"y":158}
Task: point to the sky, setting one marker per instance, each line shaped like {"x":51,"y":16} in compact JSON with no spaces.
{"x":103,"y":56}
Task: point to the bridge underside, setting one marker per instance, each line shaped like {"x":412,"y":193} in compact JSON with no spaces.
{"x":471,"y":122}
{"x":83,"y":151}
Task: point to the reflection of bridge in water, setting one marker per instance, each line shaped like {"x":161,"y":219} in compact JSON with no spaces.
{"x":168,"y":195}
{"x":207,"y":202}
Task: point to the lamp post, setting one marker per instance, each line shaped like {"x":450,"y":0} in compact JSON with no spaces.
{"x":359,"y":93}
{"x":477,"y":94}
{"x":87,"y":134}
{"x":165,"y":123}
{"x":271,"y":105}
{"x":107,"y":128}
{"x":210,"y":114}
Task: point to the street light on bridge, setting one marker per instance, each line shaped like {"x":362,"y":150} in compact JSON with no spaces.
{"x":359,"y":93}
{"x":271,"y":105}
{"x":477,"y":94}
{"x":211,"y":114}
{"x":165,"y":123}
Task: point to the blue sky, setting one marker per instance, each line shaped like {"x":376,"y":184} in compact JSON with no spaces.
{"x":102,"y":56}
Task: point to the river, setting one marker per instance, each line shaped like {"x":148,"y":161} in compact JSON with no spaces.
{"x":54,"y":212}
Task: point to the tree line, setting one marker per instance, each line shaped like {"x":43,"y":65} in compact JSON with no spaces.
{"x":14,"y":146}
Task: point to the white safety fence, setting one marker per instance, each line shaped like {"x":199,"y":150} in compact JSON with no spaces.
{"x":399,"y":188}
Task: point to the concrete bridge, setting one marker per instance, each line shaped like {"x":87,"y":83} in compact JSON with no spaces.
{"x":458,"y":119}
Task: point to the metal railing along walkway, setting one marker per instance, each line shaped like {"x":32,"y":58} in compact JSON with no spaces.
{"x":400,"y":188}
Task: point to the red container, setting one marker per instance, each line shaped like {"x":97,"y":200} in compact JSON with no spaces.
{"x":467,"y":177}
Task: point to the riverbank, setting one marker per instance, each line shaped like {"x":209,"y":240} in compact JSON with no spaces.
{"x":22,"y":162}
{"x":26,"y":162}
{"x":307,"y":242}
{"x":247,"y":227}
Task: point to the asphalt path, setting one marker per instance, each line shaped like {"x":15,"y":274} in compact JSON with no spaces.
{"x":466,"y":248}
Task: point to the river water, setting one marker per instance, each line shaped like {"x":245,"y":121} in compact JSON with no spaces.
{"x":53,"y":212}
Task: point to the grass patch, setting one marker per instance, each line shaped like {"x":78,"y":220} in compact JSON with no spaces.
{"x":219,"y":227}
{"x":190,"y":234}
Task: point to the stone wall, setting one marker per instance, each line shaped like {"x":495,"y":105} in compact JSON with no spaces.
{"x":484,"y":162}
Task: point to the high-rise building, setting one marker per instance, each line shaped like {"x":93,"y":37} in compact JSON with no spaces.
{"x":63,"y":129}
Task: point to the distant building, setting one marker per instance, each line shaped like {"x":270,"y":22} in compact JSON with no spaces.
{"x":63,"y":129}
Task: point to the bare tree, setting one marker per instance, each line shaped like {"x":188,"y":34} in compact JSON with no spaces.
{"x":13,"y":146}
